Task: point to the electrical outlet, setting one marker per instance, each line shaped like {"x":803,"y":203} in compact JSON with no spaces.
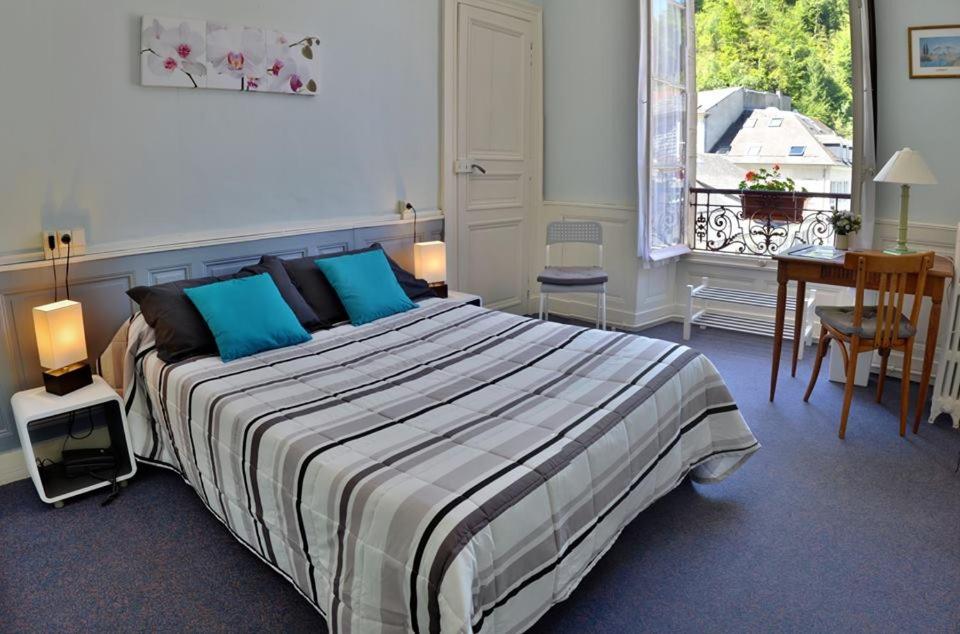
{"x":402,"y":208}
{"x":48,"y":253}
{"x":78,"y":241}
{"x":61,"y":247}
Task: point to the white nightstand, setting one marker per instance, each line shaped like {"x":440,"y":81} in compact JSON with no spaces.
{"x":43,"y":422}
{"x":470,"y":298}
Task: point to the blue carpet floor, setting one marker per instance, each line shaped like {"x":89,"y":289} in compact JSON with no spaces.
{"x":812,"y":534}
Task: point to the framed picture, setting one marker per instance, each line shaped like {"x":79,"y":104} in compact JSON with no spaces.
{"x":187,"y":53}
{"x":934,"y":51}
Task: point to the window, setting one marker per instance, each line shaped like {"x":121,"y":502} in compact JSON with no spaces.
{"x":839,"y":187}
{"x":797,"y":150}
{"x":776,"y":122}
{"x":750,"y":123}
{"x":754,"y":150}
{"x":662,"y":128}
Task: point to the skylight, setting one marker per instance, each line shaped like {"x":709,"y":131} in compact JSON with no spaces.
{"x":797,"y":150}
{"x":754,"y":150}
{"x":775,"y":122}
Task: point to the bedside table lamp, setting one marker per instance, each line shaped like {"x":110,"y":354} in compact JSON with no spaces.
{"x":62,"y":346}
{"x":907,"y":168}
{"x":430,"y":264}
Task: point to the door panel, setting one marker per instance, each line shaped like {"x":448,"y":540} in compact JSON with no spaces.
{"x":497,"y":252}
{"x":493,"y":125}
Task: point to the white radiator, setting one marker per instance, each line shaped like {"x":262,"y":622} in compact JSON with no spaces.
{"x":946,"y":391}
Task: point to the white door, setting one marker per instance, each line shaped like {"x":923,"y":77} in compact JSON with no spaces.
{"x":495,"y":139}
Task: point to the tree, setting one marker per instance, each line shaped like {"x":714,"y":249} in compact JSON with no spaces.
{"x":800,"y":47}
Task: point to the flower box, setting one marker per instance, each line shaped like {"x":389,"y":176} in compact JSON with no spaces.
{"x":777,"y":206}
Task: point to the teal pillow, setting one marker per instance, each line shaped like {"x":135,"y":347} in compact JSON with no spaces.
{"x":247,"y":315}
{"x":366,"y":285}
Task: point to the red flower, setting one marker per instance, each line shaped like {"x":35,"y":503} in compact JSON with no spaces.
{"x":751,"y":176}
{"x":776,"y":168}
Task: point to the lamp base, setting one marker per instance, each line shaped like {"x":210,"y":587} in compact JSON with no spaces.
{"x":899,"y":251}
{"x":67,"y":379}
{"x":440,"y":288}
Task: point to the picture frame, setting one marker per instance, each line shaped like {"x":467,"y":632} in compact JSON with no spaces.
{"x":934,"y":51}
{"x":196,"y":53}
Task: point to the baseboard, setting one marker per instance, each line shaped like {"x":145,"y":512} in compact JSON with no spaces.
{"x":12,"y":467}
{"x":586,"y":311}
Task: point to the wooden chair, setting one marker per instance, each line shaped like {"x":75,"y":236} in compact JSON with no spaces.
{"x":882,"y":327}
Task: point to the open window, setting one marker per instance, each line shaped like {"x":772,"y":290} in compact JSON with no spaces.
{"x":664,"y":87}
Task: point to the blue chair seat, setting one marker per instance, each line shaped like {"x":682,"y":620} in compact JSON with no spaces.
{"x":573,"y":276}
{"x":841,"y":318}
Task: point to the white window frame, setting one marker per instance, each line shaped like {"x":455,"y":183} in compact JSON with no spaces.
{"x":645,"y":142}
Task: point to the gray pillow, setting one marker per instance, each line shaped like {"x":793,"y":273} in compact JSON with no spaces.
{"x":273,"y":265}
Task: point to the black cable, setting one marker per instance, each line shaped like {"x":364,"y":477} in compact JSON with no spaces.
{"x":414,"y":210}
{"x":66,"y":275}
{"x":52,"y":244}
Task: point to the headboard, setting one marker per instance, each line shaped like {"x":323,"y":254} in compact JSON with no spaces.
{"x":99,"y":283}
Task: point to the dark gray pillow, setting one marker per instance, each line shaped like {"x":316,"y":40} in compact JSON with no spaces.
{"x":273,"y":265}
{"x":316,"y":290}
{"x":180,"y":329}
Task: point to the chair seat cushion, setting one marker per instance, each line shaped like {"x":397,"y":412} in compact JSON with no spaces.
{"x":572,"y":275}
{"x":841,"y":319}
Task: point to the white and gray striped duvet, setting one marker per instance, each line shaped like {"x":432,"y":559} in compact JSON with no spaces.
{"x":448,"y":469}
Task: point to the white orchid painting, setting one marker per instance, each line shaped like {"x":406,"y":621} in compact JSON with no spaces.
{"x":207,"y":54}
{"x":291,"y":63}
{"x":172,"y":53}
{"x":235,"y":56}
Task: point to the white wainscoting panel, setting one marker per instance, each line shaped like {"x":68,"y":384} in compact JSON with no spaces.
{"x":636,"y":296}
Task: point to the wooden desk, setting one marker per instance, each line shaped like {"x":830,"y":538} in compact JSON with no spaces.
{"x":802,"y":270}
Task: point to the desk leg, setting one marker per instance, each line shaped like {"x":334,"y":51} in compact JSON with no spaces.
{"x":778,"y":331}
{"x":929,"y":353}
{"x":798,"y":325}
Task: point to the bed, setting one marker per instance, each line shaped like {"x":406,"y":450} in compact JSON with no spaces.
{"x":446,"y":469}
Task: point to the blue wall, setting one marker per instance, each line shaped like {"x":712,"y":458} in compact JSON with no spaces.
{"x":590,"y":92}
{"x":917,"y":113}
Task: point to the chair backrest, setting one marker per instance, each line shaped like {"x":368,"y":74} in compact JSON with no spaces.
{"x":575,"y":231}
{"x":893,"y":275}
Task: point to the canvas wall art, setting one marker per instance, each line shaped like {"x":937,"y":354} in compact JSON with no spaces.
{"x":188,"y":53}
{"x":934,"y":51}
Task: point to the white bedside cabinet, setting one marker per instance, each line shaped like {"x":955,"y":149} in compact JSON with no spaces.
{"x":45,"y":420}
{"x":470,"y":298}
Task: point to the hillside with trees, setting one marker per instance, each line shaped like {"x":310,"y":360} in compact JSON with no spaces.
{"x":800,"y":47}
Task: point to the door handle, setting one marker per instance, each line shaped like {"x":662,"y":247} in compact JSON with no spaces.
{"x":466,"y":166}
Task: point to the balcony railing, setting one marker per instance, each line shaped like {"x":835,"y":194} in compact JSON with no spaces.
{"x":720,"y":224}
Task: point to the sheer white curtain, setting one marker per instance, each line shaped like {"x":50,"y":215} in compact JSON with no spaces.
{"x":863,"y":189}
{"x":662,"y":128}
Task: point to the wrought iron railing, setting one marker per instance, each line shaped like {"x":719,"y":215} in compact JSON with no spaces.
{"x":722,"y":225}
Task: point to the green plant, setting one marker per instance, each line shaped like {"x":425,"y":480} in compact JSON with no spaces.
{"x":844,"y":223}
{"x":768,"y":181}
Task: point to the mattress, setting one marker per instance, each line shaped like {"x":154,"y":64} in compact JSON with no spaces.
{"x":448,"y":469}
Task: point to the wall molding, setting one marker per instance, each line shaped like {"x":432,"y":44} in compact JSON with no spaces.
{"x":937,"y":237}
{"x":589,"y":205}
{"x":195,"y":239}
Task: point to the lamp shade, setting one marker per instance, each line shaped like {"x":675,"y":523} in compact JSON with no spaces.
{"x":906,"y":167}
{"x":430,"y":261}
{"x":60,"y":338}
